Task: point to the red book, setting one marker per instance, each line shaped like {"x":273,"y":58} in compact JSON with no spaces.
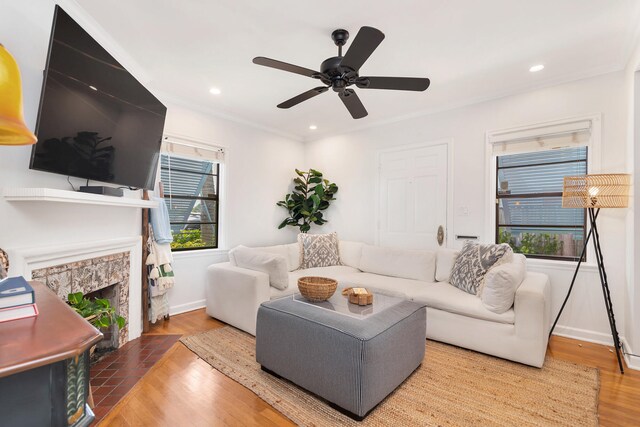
{"x":20,"y":312}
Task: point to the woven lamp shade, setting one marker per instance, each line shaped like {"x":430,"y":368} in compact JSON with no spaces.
{"x":609,"y":190}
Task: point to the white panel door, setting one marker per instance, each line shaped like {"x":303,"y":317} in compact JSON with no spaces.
{"x":413,"y":197}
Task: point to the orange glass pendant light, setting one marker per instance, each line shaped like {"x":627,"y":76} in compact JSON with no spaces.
{"x":13,"y":130}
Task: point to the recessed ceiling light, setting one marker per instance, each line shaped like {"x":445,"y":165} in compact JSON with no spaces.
{"x":93,"y":88}
{"x":215,"y":91}
{"x":313,"y":127}
{"x":536,"y":68}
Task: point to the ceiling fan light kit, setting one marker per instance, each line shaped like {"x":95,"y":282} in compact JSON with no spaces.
{"x":340,"y":72}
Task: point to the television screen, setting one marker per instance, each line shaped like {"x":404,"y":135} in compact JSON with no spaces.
{"x":96,"y":121}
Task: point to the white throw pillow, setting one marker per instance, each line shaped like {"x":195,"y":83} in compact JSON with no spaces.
{"x":281,"y":250}
{"x":351,"y":253}
{"x":502,"y":282}
{"x":445,"y":258}
{"x":254,"y":259}
{"x":295,"y":255}
{"x":404,"y":263}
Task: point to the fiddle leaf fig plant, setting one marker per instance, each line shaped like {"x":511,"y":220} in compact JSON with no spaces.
{"x":311,"y":195}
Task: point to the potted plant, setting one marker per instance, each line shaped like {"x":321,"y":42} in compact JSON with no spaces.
{"x":97,"y":311}
{"x":311,"y":195}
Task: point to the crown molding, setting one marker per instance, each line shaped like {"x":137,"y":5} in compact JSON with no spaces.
{"x":181,"y":102}
{"x":97,"y":31}
{"x":515,"y":90}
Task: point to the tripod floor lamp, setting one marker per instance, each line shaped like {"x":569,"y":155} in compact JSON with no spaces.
{"x":594,"y":192}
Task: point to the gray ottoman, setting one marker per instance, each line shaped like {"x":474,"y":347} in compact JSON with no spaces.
{"x":349,"y":355}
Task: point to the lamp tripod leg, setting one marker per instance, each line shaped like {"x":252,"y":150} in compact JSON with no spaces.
{"x":605,"y":289}
{"x":575,"y":275}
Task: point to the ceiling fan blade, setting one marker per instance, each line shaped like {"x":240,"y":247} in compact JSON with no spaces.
{"x":303,"y":97}
{"x":352,"y":102}
{"x":393,"y":83}
{"x":366,"y":41}
{"x":267,"y":62}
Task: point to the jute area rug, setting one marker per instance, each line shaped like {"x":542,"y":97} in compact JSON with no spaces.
{"x":453,"y":387}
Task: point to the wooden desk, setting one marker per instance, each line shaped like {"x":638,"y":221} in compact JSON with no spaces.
{"x":44,"y":365}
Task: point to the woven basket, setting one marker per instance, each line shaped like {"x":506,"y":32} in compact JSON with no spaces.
{"x":317,"y":288}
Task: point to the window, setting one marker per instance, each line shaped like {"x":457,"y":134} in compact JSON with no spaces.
{"x":529,"y":213}
{"x":191,"y":189}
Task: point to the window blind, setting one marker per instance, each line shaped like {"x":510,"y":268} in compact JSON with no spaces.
{"x":543,"y":137}
{"x":192,"y":149}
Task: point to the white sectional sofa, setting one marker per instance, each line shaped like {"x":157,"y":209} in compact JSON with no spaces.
{"x":453,"y":316}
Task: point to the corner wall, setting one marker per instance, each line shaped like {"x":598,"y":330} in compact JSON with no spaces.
{"x":350,"y":161}
{"x":259,"y":168}
{"x":257,"y":172}
{"x":632,"y":300}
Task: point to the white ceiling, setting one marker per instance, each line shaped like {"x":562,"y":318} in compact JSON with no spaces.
{"x":471,"y":50}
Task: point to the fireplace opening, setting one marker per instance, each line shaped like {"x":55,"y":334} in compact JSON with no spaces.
{"x":111,"y":339}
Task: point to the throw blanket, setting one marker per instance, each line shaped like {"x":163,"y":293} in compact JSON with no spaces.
{"x":161,"y":278}
{"x":159,"y":218}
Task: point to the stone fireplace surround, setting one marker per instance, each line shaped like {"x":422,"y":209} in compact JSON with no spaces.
{"x":97,"y":264}
{"x":92,"y":275}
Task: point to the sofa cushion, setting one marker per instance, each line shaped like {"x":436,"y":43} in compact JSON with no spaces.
{"x":502,"y":282}
{"x":337,"y":272}
{"x":319,"y":250}
{"x":473,"y":262}
{"x":440,"y":295}
{"x":404,"y":263}
{"x":443,"y":296}
{"x":276,"y":250}
{"x":445,"y":258}
{"x":258,"y":260}
{"x":291,"y":252}
{"x":294,"y":255}
{"x":385,"y":284}
{"x":351,"y":253}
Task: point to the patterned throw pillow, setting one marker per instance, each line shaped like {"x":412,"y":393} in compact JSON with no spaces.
{"x":473,"y":262}
{"x":319,"y":250}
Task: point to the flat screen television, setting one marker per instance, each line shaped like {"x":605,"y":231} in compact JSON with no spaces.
{"x":96,"y":121}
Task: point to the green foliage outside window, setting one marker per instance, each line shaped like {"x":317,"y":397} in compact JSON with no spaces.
{"x":532,"y":243}
{"x":188,"y":239}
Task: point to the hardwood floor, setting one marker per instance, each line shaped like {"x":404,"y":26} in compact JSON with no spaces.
{"x":183,"y":390}
{"x":619,"y":400}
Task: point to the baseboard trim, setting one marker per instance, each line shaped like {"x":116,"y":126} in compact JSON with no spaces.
{"x":633,"y":362}
{"x":583,"y":335}
{"x":190,"y":306}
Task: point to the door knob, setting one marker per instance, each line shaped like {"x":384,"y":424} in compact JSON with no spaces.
{"x":440,"y":236}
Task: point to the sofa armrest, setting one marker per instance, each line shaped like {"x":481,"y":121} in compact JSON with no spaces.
{"x":533,"y":307}
{"x":234,"y":294}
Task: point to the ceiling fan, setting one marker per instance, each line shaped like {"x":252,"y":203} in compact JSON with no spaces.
{"x":340,"y":72}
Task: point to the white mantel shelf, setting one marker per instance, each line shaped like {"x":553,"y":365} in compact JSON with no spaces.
{"x":66,"y":196}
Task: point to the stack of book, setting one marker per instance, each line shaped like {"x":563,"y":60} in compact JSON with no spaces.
{"x":17,"y":299}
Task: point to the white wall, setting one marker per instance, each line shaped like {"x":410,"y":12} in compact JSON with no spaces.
{"x":257,"y":173}
{"x":260,"y":164}
{"x":260,"y":167}
{"x":350,"y":161}
{"x":24,"y":30}
{"x":632,"y":90}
